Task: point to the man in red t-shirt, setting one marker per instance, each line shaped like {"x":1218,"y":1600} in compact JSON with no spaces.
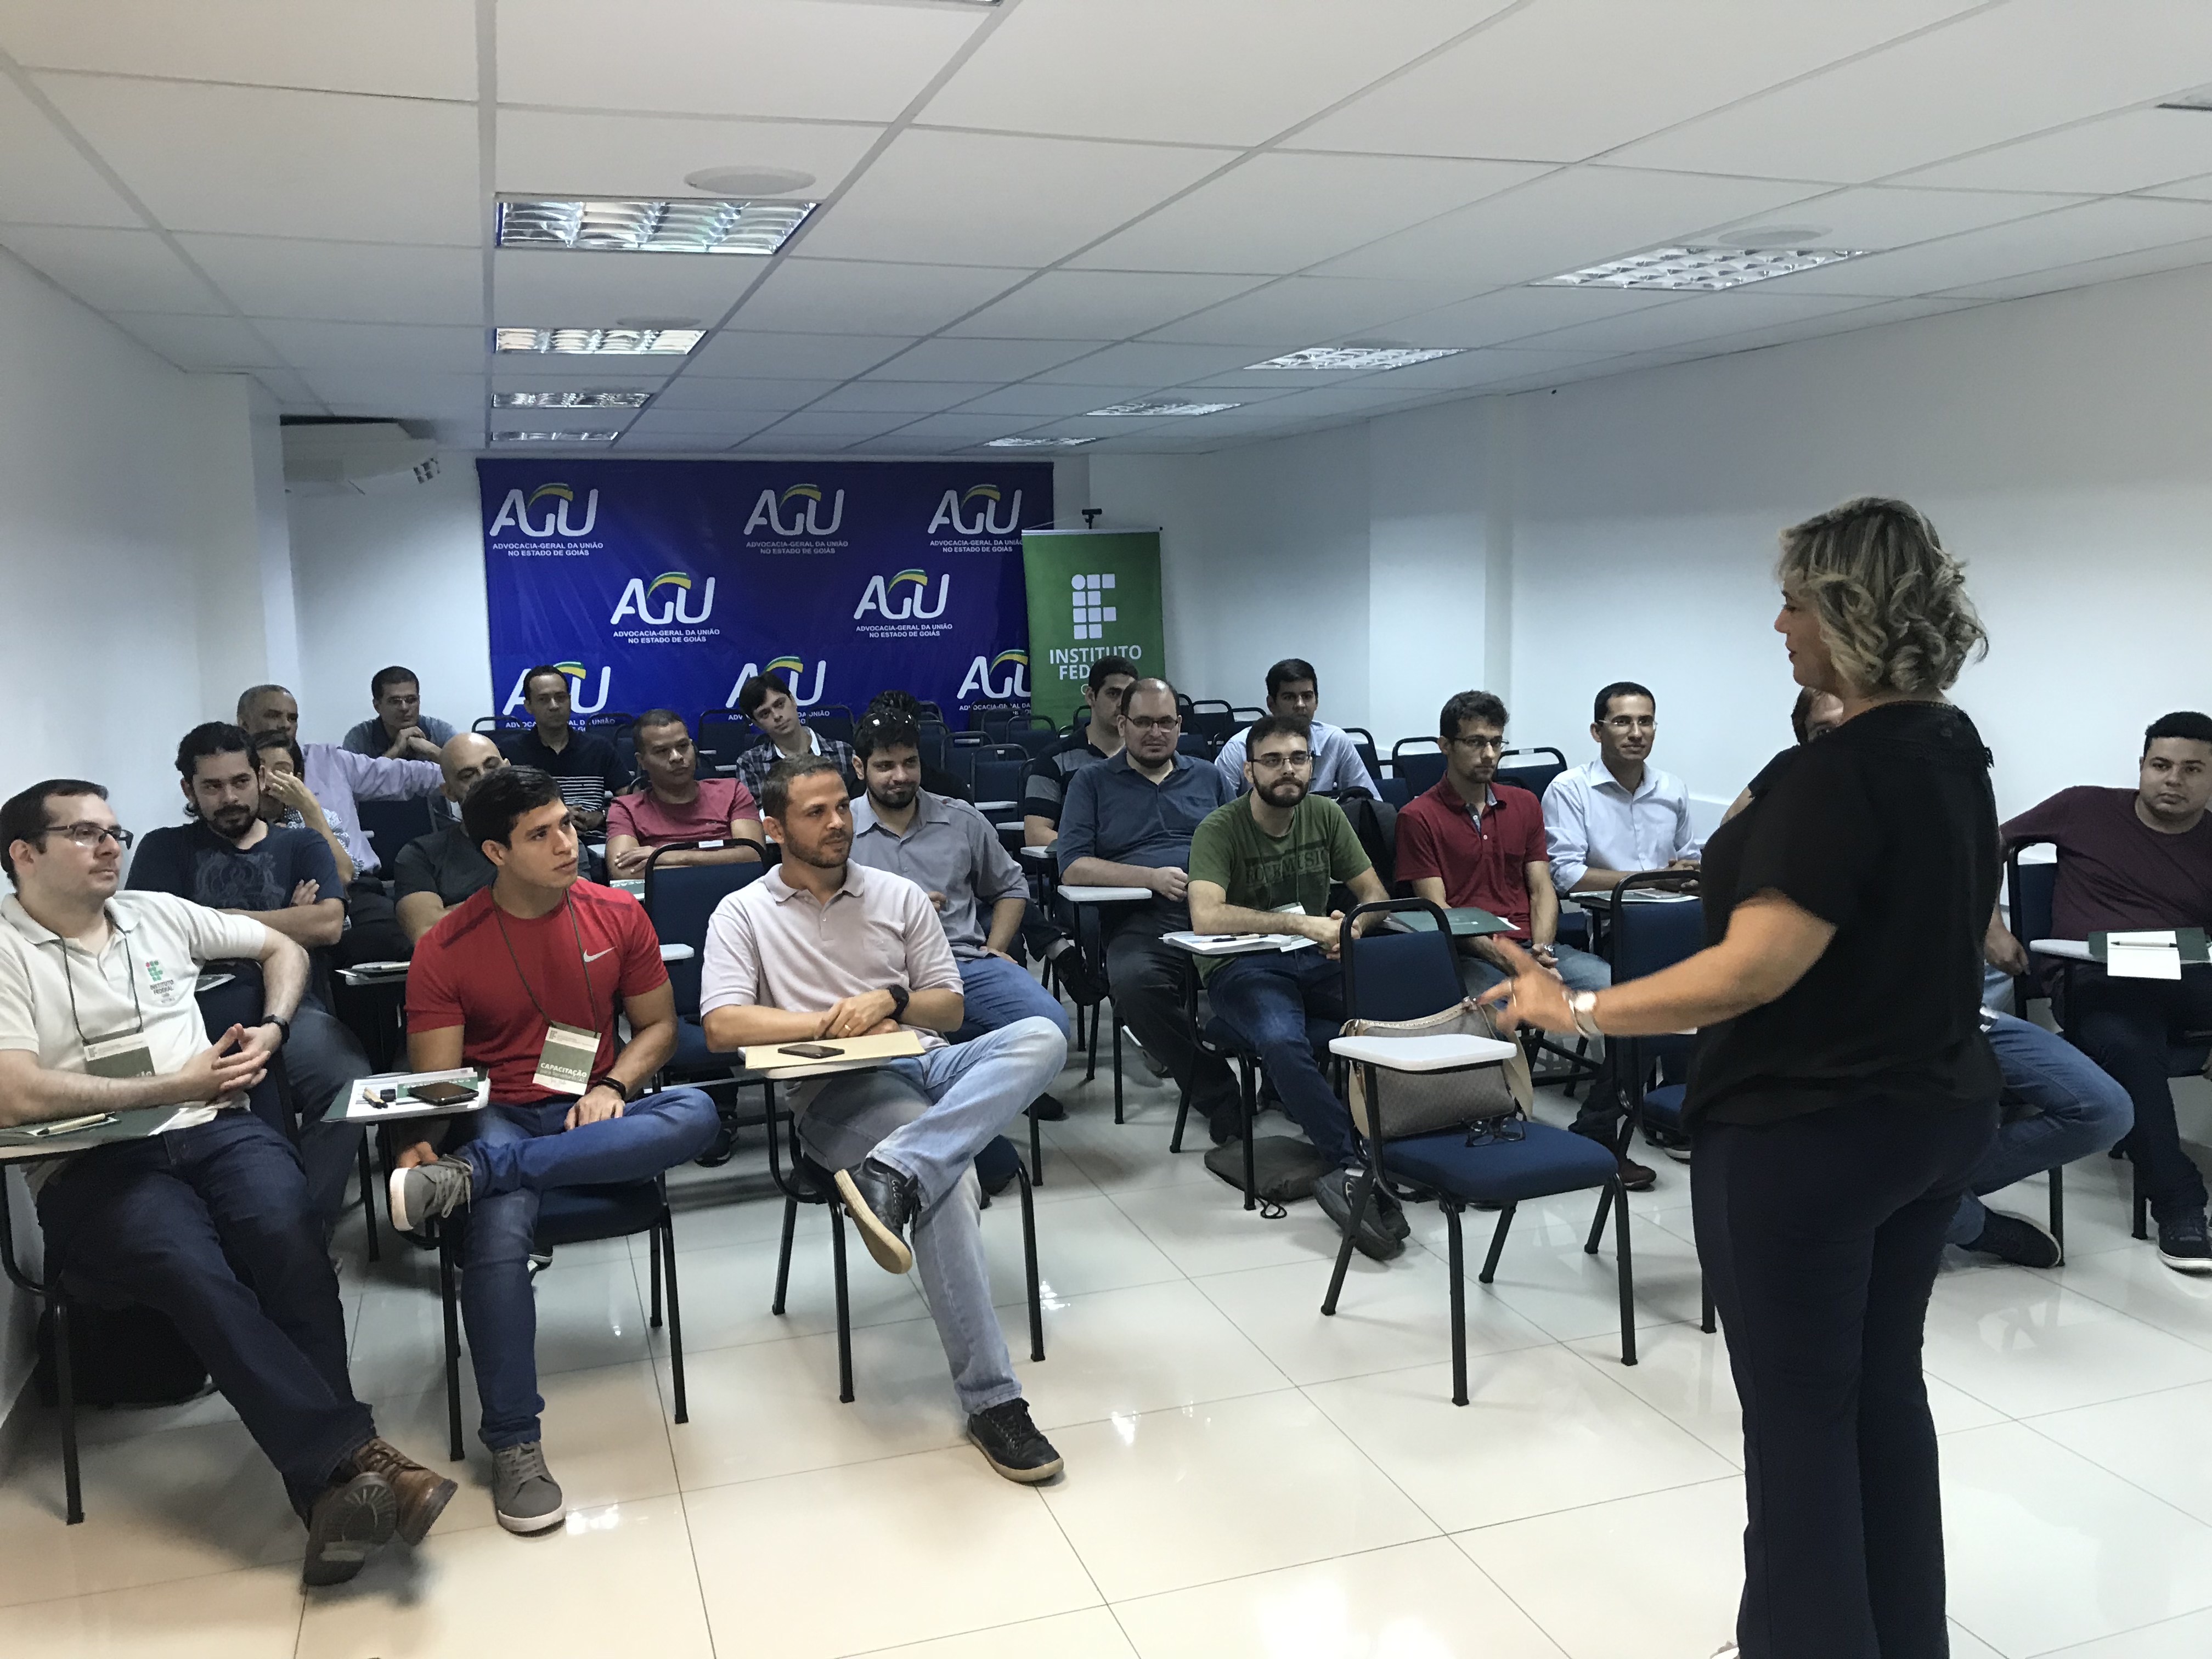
{"x":1472,"y":841}
{"x":524,"y":981}
{"x":678,"y":804}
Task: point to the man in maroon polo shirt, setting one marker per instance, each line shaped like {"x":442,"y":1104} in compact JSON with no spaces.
{"x":1472,"y":841}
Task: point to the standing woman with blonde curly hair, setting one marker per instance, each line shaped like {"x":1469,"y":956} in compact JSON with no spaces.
{"x":1842,"y":1089}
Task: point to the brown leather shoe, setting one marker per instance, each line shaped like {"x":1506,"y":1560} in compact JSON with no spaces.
{"x":422,"y":1494}
{"x":1634,"y":1177}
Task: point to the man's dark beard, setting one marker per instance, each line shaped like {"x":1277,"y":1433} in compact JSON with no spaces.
{"x":1299,"y":788}
{"x":231,"y":822}
{"x":822,"y":858}
{"x":896,"y":796}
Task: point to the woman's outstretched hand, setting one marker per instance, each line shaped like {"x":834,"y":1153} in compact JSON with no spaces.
{"x":1533,"y":995}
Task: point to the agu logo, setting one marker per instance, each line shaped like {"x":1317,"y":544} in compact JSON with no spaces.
{"x":1011,"y":685}
{"x":579,"y":675}
{"x":794,"y":670}
{"x":904,"y":598}
{"x":805,"y":515}
{"x":637,"y":600}
{"x":987,"y":500}
{"x":516,"y":509}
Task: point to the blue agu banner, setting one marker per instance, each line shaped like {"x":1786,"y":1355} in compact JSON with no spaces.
{"x":668,"y":584}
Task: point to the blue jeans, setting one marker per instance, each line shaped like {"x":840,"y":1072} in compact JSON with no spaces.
{"x":1266,"y":998}
{"x":212,"y":1226}
{"x":517,"y":1152}
{"x":1601,"y":1108}
{"x":997,"y":993}
{"x":2079,"y":1110}
{"x":927,"y":1118}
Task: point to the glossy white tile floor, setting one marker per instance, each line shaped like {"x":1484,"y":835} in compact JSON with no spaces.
{"x":1244,"y":1476}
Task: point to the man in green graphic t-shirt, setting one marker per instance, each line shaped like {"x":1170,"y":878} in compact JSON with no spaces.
{"x":1265,"y":863}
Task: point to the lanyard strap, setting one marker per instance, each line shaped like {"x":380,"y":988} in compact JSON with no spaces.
{"x":129,"y":979}
{"x":590,"y":997}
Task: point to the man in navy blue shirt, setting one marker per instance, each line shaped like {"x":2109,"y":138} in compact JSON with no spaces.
{"x":1127,"y":822}
{"x":229,"y":857}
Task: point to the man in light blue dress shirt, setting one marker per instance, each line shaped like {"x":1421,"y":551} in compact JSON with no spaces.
{"x":1293,"y":690}
{"x":1619,"y":814}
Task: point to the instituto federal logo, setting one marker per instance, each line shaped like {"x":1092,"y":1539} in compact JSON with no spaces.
{"x":1089,"y":597}
{"x":987,"y":500}
{"x":577,"y":673}
{"x":984,"y":677}
{"x":637,"y":600}
{"x":804,"y":501}
{"x":516,"y":509}
{"x":904,"y":596}
{"x":794,"y":670}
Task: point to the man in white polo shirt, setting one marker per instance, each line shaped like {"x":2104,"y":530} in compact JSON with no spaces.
{"x":822,"y":948}
{"x":210,"y":1223}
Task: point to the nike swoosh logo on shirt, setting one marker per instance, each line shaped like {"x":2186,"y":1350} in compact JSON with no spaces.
{"x":594,"y":955}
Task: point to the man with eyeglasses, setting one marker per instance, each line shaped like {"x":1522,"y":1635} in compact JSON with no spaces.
{"x":1267,"y":864}
{"x":1294,"y":692}
{"x":1128,"y":822}
{"x":1618,"y":815}
{"x":209,"y":1221}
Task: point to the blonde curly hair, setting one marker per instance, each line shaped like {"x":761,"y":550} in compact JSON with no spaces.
{"x":1892,"y":603}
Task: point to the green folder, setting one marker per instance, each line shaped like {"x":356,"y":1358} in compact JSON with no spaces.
{"x":1467,"y":921}
{"x":2189,"y":942}
{"x":121,"y":1125}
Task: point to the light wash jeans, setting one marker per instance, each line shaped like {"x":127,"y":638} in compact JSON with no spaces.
{"x":927,"y":1118}
{"x":2079,"y":1110}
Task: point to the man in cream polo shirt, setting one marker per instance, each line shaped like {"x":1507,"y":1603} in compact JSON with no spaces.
{"x":208,"y":1223}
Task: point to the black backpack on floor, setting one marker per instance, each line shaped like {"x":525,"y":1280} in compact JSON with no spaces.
{"x":130,"y":1355}
{"x":1284,"y":1169}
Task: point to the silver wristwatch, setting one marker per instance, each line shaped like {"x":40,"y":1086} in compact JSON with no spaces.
{"x":1582,"y":1004}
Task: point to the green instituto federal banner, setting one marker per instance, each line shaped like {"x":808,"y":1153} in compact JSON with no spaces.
{"x":1092,"y":593}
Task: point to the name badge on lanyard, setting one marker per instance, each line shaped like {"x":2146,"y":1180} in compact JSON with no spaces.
{"x":565,"y":1063}
{"x":121,"y":1054}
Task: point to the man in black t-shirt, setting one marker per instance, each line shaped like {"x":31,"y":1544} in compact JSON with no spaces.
{"x":436,"y":871}
{"x":1044,"y":786}
{"x":584,"y":763}
{"x":229,"y":859}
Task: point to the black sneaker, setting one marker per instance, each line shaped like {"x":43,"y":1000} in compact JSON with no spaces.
{"x":1048,"y":1109}
{"x":1391,"y":1212}
{"x":348,"y":1522}
{"x":1011,"y":1444}
{"x":2183,"y":1243}
{"x":721,"y":1149}
{"x":1334,"y":1193}
{"x":2017,"y":1239}
{"x":882,"y":1202}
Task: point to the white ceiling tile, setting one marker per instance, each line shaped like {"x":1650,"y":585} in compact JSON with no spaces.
{"x":1876,"y":216}
{"x":1038,"y":400}
{"x":904,"y":444}
{"x":372,"y":390}
{"x":823,"y":295}
{"x":1998,"y":74}
{"x":962,"y":428}
{"x":633,"y":444}
{"x":1225,"y":72}
{"x":819,"y":59}
{"x":554,"y":371}
{"x":712,"y":394}
{"x":114,"y":270}
{"x":806,"y":423}
{"x":1532,"y":85}
{"x":200,"y":342}
{"x":791,"y":356}
{"x":772,"y":445}
{"x":1510,"y":313}
{"x":561,"y":288}
{"x":2093,"y":230}
{"x":1563,"y":222}
{"x":350,"y":282}
{"x":568,"y":152}
{"x":2107,"y":157}
{"x":258,"y":162}
{"x":1106,"y":427}
{"x":48,"y":179}
{"x":1282,"y":211}
{"x":1140,"y":363}
{"x":895,"y":397}
{"x":402,"y":48}
{"x":989,"y":362}
{"x":290,"y":388}
{"x":1115,"y":303}
{"x":378,"y":348}
{"x":987,"y":198}
{"x":1862,"y":314}
{"x":1303,"y":311}
{"x":2114,"y":268}
{"x":726,"y":428}
{"x":1471,"y":369}
{"x":1694,"y":317}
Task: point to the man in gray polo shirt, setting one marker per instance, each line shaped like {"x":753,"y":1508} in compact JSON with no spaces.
{"x":822,"y":948}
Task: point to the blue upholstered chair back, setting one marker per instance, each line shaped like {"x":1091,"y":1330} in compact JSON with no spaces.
{"x":1418,"y":763}
{"x":1649,"y":934}
{"x":678,"y":900}
{"x":1533,"y":775}
{"x":1390,"y":976}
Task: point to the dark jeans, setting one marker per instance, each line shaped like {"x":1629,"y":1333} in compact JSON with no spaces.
{"x":2127,"y":1025}
{"x":322,"y":1057}
{"x":211,"y":1226}
{"x":1267,"y":997}
{"x":516,"y":1154}
{"x":1146,"y":977}
{"x":1820,"y":1237}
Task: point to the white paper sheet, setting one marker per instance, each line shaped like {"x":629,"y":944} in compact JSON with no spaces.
{"x":2142,"y":961}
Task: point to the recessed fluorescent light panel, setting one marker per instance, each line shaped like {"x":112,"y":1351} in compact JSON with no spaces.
{"x":555,"y":437}
{"x":569,"y":399}
{"x":1038,"y":443}
{"x":1354,"y":357}
{"x":709,"y":225}
{"x":590,"y":341}
{"x":1700,"y":269}
{"x":1166,"y":407}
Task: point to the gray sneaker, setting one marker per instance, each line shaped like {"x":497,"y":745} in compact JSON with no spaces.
{"x":525,"y":1497}
{"x":428,"y":1191}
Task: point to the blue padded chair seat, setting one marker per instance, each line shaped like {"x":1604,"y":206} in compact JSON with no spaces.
{"x":1545,"y":1161}
{"x":1219,"y":1033}
{"x":578,"y":1215}
{"x":1663,"y":1106}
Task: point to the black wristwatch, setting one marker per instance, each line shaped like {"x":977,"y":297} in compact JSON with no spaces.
{"x":284,"y":1027}
{"x":628,"y":1091}
{"x":899,"y":998}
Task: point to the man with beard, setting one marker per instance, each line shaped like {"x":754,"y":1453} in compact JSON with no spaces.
{"x":230,"y":859}
{"x":823,"y":947}
{"x":1267,"y":864}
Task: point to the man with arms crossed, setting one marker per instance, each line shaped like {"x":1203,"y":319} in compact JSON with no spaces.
{"x":1267,"y":864}
{"x":209,"y":1224}
{"x":1472,"y":841}
{"x":822,"y":947}
{"x":1294,"y":693}
{"x":399,"y":730}
{"x":525,"y":981}
{"x":436,"y":871}
{"x":337,"y":777}
{"x":678,"y":804}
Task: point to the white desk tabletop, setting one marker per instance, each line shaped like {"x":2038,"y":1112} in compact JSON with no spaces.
{"x":676,"y":953}
{"x":1106,"y":895}
{"x":1037,"y":854}
{"x":1424,"y":1054}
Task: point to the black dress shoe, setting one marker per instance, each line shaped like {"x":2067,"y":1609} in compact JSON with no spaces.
{"x":882,"y":1202}
{"x":721,"y":1148}
{"x":1048,"y":1109}
{"x":1011,"y":1444}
